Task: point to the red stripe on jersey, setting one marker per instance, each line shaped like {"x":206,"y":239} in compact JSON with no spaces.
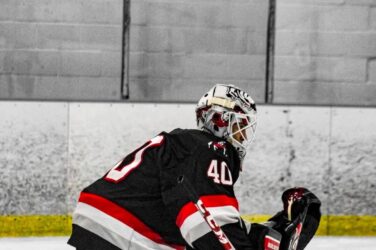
{"x":124,"y":216}
{"x":209,"y":201}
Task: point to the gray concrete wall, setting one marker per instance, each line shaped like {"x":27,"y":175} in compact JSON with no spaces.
{"x":51,"y":49}
{"x":50,"y":151}
{"x":179,"y":48}
{"x":71,"y":50}
{"x":325,"y":52}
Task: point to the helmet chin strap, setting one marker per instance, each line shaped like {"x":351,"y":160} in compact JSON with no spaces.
{"x":239,"y":148}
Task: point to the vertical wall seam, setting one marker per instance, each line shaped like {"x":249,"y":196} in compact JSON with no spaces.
{"x":124,"y":87}
{"x":270,"y":44}
{"x":329,"y":168}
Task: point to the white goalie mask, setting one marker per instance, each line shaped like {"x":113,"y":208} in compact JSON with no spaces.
{"x":229,"y":113}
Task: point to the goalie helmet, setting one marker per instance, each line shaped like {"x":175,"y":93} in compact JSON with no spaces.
{"x":229,"y":113}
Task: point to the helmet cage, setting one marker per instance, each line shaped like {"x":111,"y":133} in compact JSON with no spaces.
{"x":241,"y":130}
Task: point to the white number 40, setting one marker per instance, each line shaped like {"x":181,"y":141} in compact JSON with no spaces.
{"x":220,"y":172}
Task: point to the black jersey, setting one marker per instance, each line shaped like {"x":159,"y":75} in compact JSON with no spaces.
{"x":139,"y":204}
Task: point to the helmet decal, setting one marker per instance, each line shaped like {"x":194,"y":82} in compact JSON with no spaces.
{"x":238,"y":94}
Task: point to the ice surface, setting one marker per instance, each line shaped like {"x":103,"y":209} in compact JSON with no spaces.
{"x":35,"y":243}
{"x":342,"y":243}
{"x":59,"y":243}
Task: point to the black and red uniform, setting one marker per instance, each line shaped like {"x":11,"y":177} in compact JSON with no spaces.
{"x":139,"y":204}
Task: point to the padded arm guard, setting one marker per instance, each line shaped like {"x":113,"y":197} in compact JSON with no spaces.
{"x":263,"y":237}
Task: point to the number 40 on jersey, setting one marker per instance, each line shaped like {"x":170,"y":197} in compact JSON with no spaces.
{"x":219,"y":172}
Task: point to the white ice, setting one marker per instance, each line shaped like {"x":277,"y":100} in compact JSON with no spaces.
{"x":59,"y":243}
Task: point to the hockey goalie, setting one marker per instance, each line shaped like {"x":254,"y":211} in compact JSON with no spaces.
{"x":176,"y":190}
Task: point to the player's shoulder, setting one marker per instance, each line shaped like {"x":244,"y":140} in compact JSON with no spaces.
{"x":201,"y":142}
{"x":185,"y":137}
{"x":202,"y":146}
{"x":191,"y":136}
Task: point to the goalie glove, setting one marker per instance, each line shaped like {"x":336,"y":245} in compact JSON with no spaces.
{"x":299,"y":219}
{"x":296,"y":200}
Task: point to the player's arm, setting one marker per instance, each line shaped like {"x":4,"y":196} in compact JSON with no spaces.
{"x":219,"y":233}
{"x":239,"y":234}
{"x":212,"y":179}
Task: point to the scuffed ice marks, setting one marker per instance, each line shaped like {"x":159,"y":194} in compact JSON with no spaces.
{"x":33,"y":170}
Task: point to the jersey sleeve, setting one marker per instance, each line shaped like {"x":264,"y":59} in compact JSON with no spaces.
{"x":211,"y":175}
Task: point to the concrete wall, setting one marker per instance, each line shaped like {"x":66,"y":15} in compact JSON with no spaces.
{"x":50,"y":151}
{"x":179,"y":48}
{"x":325,"y":52}
{"x":71,"y":50}
{"x":51,"y":49}
{"x":325,"y":49}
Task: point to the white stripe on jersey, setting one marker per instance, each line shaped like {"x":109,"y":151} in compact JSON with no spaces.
{"x":194,"y":226}
{"x":113,"y":230}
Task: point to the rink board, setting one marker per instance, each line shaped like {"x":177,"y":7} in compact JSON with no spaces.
{"x":50,"y":151}
{"x":60,"y":225}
